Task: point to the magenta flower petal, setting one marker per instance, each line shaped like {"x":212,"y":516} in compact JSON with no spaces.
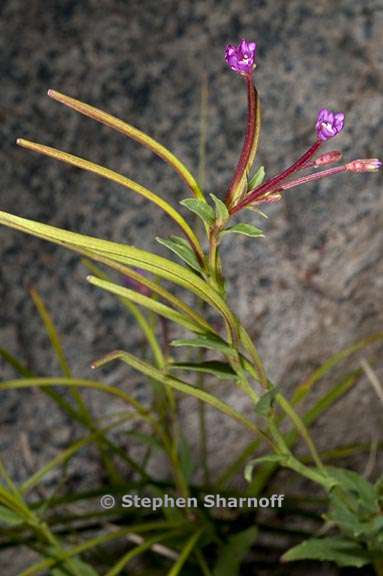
{"x":329,"y":124}
{"x":241,"y":58}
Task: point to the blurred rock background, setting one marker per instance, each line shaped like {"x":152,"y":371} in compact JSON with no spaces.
{"x":313,"y":286}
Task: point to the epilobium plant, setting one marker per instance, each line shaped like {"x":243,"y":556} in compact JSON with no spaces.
{"x":354,"y":504}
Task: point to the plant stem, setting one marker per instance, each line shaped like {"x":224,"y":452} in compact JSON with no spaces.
{"x":273,"y":182}
{"x":248,"y":142}
{"x":213,"y":256}
{"x":295,"y":418}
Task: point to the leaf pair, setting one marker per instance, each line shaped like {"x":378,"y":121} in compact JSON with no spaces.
{"x":219,"y":217}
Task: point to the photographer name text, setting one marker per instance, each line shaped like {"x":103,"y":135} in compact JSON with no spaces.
{"x":207,"y":501}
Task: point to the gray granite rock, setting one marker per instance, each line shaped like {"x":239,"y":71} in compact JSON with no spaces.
{"x":313,"y":286}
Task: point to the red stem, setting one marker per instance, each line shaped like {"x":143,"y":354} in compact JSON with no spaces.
{"x":273,"y":182}
{"x":312,"y":177}
{"x":249,"y":139}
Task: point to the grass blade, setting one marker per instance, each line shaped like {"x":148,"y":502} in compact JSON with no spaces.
{"x":52,"y":332}
{"x":40,"y":567}
{"x":117,"y":568}
{"x":186,"y":551}
{"x":303,"y":389}
{"x":66,"y":454}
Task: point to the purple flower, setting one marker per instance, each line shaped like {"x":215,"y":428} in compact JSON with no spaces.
{"x":329,"y":124}
{"x":241,"y":58}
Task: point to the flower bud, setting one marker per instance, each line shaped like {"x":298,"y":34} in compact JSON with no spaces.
{"x":327,"y":158}
{"x":364,"y":165}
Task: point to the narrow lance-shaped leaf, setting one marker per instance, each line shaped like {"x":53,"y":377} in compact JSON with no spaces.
{"x":244,"y":229}
{"x":81,"y":383}
{"x":201,"y":208}
{"x":125,"y":254}
{"x":305,"y":387}
{"x":99,"y":540}
{"x":221,"y":370}
{"x":145,"y":301}
{"x":185,"y":553}
{"x":139,"y":317}
{"x":133,"y":133}
{"x":81,"y":568}
{"x":179,"y":385}
{"x":64,"y":405}
{"x":137,"y":550}
{"x":256,"y":179}
{"x":52,"y":332}
{"x":66,"y":454}
{"x":336,"y":549}
{"x":83,"y":410}
{"x":205,"y":341}
{"x":154,"y":287}
{"x":221,"y":211}
{"x":123,"y":181}
{"x":234,"y":552}
{"x":182,"y":249}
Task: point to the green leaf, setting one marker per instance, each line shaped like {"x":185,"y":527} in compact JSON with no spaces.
{"x":269,"y":459}
{"x":355,"y":484}
{"x":185,"y":458}
{"x":221,"y":211}
{"x":52,"y":332}
{"x":265,"y":402}
{"x":182,"y":249}
{"x":15,"y":363}
{"x":9,"y":518}
{"x":185,"y":553}
{"x":179,"y":385}
{"x":345,"y":519}
{"x":119,"y":179}
{"x":131,"y":132}
{"x":256,"y":179}
{"x":245,"y":229}
{"x":311,"y":416}
{"x":234,"y":552}
{"x":209,"y":342}
{"x":257,"y":211}
{"x":106,"y":251}
{"x":146,"y":326}
{"x":82,"y":569}
{"x":339,"y":550}
{"x":145,"y":301}
{"x":303,"y":389}
{"x":201,"y":208}
{"x":154,"y":287}
{"x":221,"y":370}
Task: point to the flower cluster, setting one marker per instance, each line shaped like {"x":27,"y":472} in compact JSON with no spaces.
{"x":329,"y":124}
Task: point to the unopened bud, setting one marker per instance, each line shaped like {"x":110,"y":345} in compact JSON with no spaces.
{"x":327,"y":158}
{"x":270,"y":198}
{"x":364,"y":165}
